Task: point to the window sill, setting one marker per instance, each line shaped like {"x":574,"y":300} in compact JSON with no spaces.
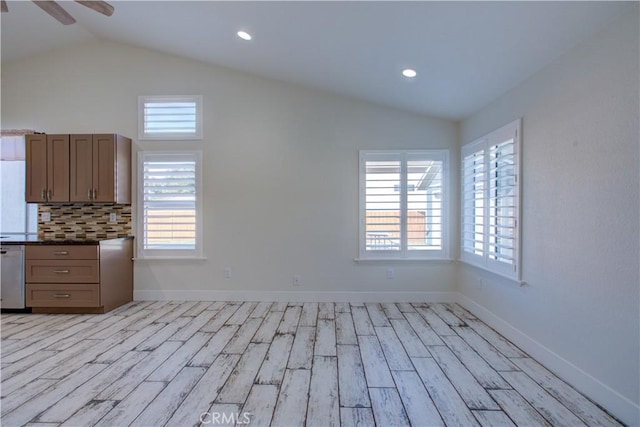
{"x":404,"y":260}
{"x":171,"y":258}
{"x":484,"y":269}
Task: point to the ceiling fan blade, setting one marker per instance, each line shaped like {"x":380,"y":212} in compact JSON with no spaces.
{"x":55,"y":10}
{"x":3,"y":6}
{"x":99,"y":6}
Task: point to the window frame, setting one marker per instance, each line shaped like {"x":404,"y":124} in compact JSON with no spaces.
{"x":195,"y":253}
{"x":404,"y":254}
{"x":172,"y":136}
{"x":484,"y":145}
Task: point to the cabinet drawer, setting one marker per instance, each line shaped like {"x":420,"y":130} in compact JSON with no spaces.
{"x":61,"y":252}
{"x":54,"y":271}
{"x":63,"y":295}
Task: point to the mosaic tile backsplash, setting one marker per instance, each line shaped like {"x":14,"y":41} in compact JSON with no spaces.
{"x":84,"y":221}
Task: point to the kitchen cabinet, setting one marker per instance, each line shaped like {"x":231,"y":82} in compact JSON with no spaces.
{"x":47,"y":166}
{"x":100,"y":168}
{"x":79,"y":278}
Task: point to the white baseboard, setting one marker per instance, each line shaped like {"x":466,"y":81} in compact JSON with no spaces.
{"x":618,"y":405}
{"x":318,"y":296}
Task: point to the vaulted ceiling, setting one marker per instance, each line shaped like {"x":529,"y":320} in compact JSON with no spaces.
{"x":465,"y":53}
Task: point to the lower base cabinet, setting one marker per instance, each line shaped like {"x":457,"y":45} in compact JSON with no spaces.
{"x":79,"y":278}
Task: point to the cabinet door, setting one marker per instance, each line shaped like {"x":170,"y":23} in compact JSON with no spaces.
{"x":36,"y":167}
{"x":81,"y":176}
{"x":58,"y":168}
{"x":104,"y":167}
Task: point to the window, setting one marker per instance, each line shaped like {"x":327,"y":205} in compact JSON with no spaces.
{"x":403,"y":204}
{"x":491,"y":201}
{"x":170,"y":213}
{"x":16,"y":216}
{"x":169,"y":117}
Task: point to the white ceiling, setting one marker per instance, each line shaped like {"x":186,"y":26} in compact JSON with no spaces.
{"x":466,"y":53}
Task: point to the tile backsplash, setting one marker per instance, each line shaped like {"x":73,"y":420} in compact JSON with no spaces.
{"x":84,"y":221}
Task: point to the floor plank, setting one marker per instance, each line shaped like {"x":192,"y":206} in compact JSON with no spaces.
{"x":468,"y":388}
{"x":158,"y":412}
{"x":361,"y":321}
{"x":260,"y":404}
{"x":375,"y":365}
{"x":128,"y":409}
{"x":323,"y":408}
{"x":356,"y":417}
{"x":377,"y":315}
{"x":589,"y":412}
{"x":275,"y":362}
{"x":410,"y":340}
{"x":419,"y":406}
{"x":268,"y":327}
{"x":489,"y":353}
{"x":387,"y":407}
{"x":493,"y":419}
{"x":325,"y":338}
{"x":393,"y":350}
{"x":345,"y":330}
{"x":547,"y":405}
{"x":241,"y":379}
{"x":351,"y":379}
{"x":309,"y":314}
{"x":291,"y":407}
{"x":422,"y":329}
{"x":452,"y":408}
{"x":517,"y":408}
{"x":301,"y":356}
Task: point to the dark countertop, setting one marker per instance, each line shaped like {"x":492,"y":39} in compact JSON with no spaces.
{"x":30,"y":239}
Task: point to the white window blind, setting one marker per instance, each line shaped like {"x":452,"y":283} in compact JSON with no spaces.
{"x":402,"y":204}
{"x":491,"y":201}
{"x":170,"y":117}
{"x":170,"y":203}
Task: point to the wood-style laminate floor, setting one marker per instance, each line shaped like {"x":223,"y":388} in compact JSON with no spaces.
{"x":276,"y":364}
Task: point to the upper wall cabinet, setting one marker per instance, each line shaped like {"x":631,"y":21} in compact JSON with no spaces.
{"x":100,"y":168}
{"x":92,"y":168}
{"x":47,"y":158}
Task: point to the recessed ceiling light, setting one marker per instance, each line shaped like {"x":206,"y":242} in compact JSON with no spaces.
{"x":408,"y":72}
{"x":244,"y":35}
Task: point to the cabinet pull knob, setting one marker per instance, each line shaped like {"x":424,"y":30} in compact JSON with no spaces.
{"x":61,"y":253}
{"x":61,"y":271}
{"x":62,"y":296}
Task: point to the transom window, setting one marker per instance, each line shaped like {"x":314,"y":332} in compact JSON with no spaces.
{"x":403,"y":204}
{"x":491,"y":201}
{"x":169,"y":117}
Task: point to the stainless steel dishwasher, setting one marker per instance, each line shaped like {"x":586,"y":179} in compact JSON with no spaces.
{"x":12,"y":277}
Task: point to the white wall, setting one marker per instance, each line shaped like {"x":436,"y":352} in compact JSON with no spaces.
{"x":580,"y":219}
{"x":280,"y":168}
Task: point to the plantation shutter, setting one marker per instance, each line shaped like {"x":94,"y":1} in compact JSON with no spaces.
{"x":503,"y":198}
{"x":473,"y":201}
{"x":491,"y":201}
{"x":402,"y":204}
{"x":383,"y":208}
{"x":169,"y":201}
{"x":170,"y":117}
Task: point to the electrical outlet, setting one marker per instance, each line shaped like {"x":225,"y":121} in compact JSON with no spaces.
{"x":46,"y":216}
{"x":227,"y":273}
{"x":297,"y":280}
{"x":391,"y":273}
{"x":113,"y":217}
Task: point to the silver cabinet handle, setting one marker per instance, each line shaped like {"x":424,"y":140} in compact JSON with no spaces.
{"x":49,"y":195}
{"x":89,"y":194}
{"x":95,"y":193}
{"x":44,"y":194}
{"x":61,"y":253}
{"x":62,"y":296}
{"x":61,"y":271}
